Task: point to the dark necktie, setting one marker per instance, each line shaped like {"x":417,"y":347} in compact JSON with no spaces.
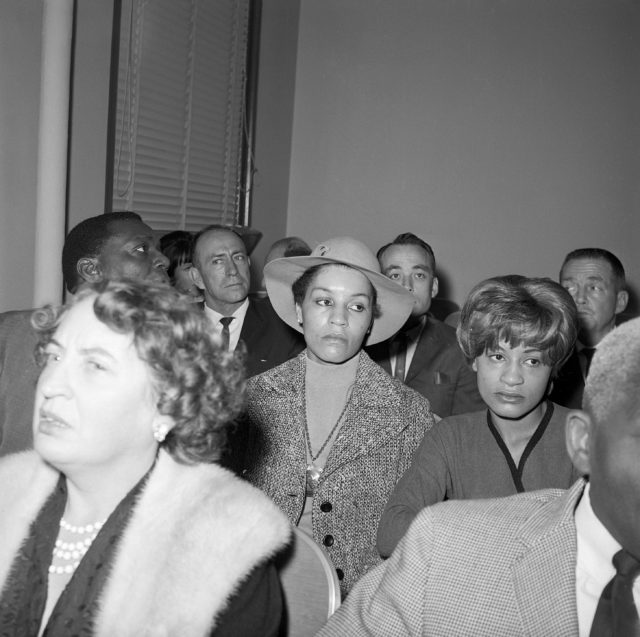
{"x":401,"y":355}
{"x":587,"y":354}
{"x":225,"y":320}
{"x":616,"y":614}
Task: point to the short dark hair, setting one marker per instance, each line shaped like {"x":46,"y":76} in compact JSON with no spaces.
{"x":303,"y":282}
{"x":409,"y":239}
{"x":536,"y":312}
{"x":602,"y":255}
{"x":211,"y":228}
{"x":199,"y":385}
{"x":177,"y":246}
{"x":86,"y":240}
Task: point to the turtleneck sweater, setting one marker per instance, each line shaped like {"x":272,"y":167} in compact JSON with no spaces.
{"x":327,"y":390}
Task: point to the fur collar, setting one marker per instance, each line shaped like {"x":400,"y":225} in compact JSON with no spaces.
{"x":195,"y":534}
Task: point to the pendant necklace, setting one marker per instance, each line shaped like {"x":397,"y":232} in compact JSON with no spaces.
{"x":314,"y":472}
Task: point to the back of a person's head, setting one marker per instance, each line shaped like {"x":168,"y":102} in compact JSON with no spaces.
{"x":614,"y":374}
{"x":536,"y":312}
{"x":408,"y":239}
{"x":599,"y":254}
{"x":287,"y":247}
{"x":86,"y":240}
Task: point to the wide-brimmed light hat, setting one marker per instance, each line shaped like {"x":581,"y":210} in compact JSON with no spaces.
{"x":395,"y":303}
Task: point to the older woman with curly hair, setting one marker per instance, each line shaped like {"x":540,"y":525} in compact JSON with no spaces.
{"x":120,"y":522}
{"x":515,"y":332}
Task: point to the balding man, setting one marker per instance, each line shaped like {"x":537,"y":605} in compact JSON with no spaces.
{"x":221,"y":271}
{"x":548,"y":562}
{"x":112,"y":245}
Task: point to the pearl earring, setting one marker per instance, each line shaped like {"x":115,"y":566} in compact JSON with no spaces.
{"x":160,"y":433}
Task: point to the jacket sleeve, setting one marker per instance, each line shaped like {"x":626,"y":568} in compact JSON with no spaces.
{"x":389,"y":600}
{"x":425,"y":482}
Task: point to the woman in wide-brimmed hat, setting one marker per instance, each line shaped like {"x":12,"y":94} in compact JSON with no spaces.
{"x":329,"y":433}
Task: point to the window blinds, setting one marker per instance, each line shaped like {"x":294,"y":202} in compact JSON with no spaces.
{"x":181,"y":111}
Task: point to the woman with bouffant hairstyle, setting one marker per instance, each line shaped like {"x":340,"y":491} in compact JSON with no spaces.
{"x":120,"y":522}
{"x":515,"y":332}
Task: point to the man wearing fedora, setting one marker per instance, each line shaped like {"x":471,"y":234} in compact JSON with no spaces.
{"x":424,"y":353}
{"x":221,"y":271}
{"x":550,"y":562}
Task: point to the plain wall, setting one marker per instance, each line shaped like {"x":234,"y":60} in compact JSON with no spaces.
{"x":504,"y":132}
{"x":274,"y":124}
{"x":20,"y":51}
{"x":90,"y":110}
{"x":20,"y":67}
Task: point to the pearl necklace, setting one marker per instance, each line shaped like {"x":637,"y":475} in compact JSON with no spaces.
{"x":69,"y":554}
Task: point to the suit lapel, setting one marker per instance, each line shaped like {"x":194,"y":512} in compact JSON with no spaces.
{"x":250,"y":326}
{"x":544,"y":578}
{"x":421,"y":355}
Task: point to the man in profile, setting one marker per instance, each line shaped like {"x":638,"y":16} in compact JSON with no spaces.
{"x":112,"y":245}
{"x":424,"y":354}
{"x":547,"y":562}
{"x":595,"y":279}
{"x":221,"y":271}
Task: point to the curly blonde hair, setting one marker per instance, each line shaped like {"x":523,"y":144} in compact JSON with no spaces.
{"x":198,"y":384}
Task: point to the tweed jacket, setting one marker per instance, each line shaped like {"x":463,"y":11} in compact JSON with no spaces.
{"x":268,"y":340}
{"x":438,"y":370}
{"x":504,"y":567}
{"x":18,"y":376}
{"x":194,"y":535}
{"x":382,"y":426}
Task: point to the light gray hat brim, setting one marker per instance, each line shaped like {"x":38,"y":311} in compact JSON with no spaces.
{"x":394,"y":301}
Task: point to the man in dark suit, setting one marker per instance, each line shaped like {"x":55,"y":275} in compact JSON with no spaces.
{"x":424,"y":354}
{"x":547,"y":562}
{"x":595,"y":278}
{"x":221,"y":271}
{"x":117,"y":244}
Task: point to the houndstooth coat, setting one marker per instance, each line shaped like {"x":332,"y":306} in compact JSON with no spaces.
{"x":504,"y":567}
{"x":382,"y":427}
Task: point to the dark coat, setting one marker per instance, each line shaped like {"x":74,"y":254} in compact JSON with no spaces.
{"x":269,"y":341}
{"x":568,"y":386}
{"x":438,"y":370}
{"x":18,"y":377}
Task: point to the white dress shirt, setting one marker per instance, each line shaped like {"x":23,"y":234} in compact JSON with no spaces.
{"x":235,"y":327}
{"x":594,"y":568}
